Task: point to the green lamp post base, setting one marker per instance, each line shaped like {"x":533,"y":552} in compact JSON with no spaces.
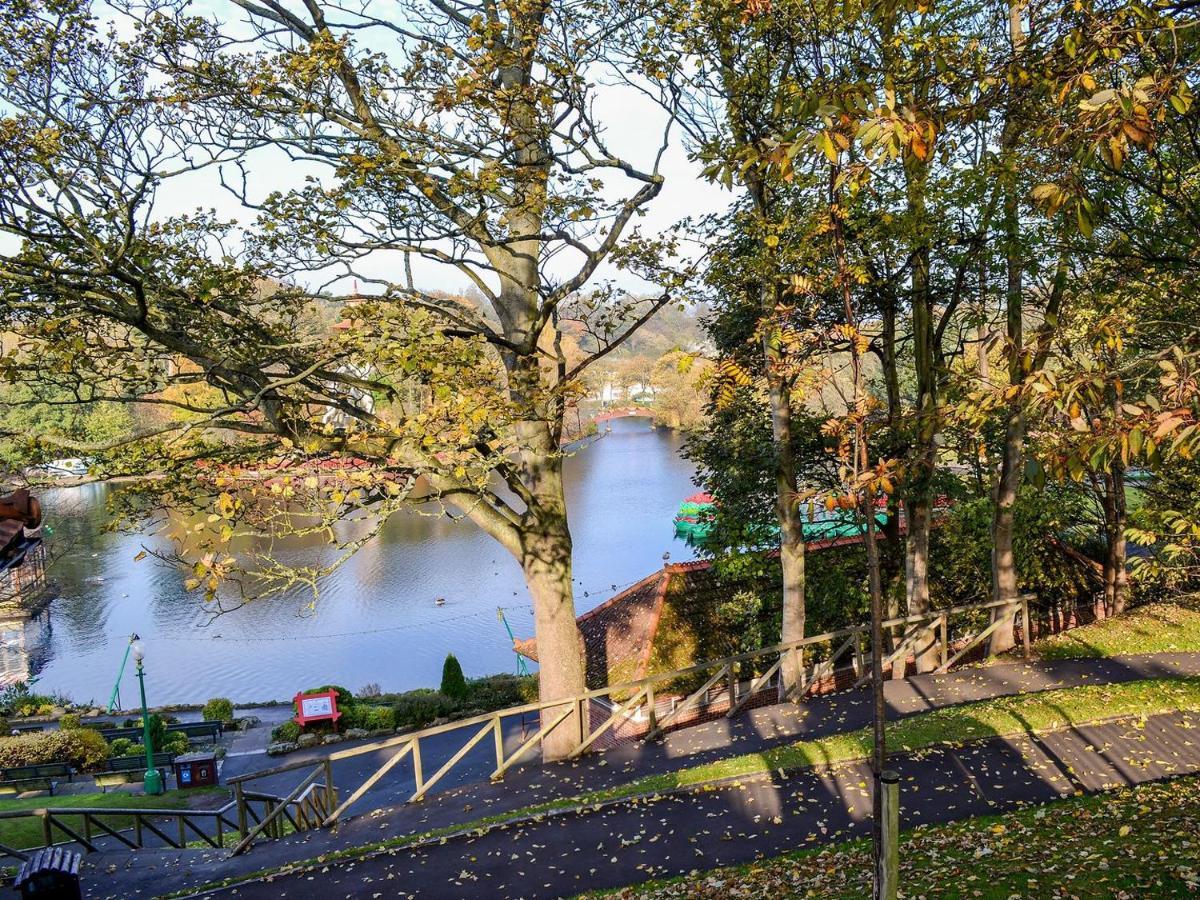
{"x":153,"y":782}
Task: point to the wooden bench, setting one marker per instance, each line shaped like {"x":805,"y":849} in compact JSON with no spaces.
{"x":25,"y":778}
{"x":111,"y":734}
{"x":124,"y":769}
{"x":211,"y":730}
{"x":25,"y":729}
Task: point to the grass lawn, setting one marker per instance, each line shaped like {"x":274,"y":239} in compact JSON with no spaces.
{"x":26,"y":832}
{"x":1134,"y":842}
{"x":1154,"y":628}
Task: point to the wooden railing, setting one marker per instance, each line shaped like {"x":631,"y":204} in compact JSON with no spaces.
{"x":177,"y":828}
{"x":949,"y":634}
{"x":309,"y":804}
{"x":248,"y":815}
{"x":652,"y":704}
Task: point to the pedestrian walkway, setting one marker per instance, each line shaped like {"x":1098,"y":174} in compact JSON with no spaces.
{"x":629,"y":843}
{"x":155,"y":872}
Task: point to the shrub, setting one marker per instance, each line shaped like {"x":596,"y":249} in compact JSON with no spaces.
{"x":85,"y":750}
{"x":18,"y":699}
{"x":351,"y":717}
{"x":219,"y":709}
{"x":68,"y":721}
{"x":121,"y":747}
{"x":499,"y":691}
{"x":175,"y":742}
{"x":288,"y":731}
{"x":158,"y":731}
{"x":416,"y":709}
{"x":379,"y":718}
{"x":454,"y":685}
{"x":5,"y":727}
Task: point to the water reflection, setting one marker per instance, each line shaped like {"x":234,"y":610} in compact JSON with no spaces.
{"x":377,"y":619}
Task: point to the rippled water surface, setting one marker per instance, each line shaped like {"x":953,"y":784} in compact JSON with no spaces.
{"x":376,"y":620}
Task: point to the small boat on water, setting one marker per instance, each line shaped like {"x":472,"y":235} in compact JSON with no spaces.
{"x":694,"y":520}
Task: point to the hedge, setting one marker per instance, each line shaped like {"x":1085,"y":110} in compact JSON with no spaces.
{"x":81,"y":748}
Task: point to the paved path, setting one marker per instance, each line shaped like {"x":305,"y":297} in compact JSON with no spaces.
{"x":151,"y":872}
{"x":628,"y":843}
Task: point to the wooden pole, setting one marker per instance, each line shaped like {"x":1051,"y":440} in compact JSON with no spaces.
{"x":243,"y":820}
{"x":1025,"y":636}
{"x":889,"y":875}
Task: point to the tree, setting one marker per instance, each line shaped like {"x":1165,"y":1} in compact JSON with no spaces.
{"x":454,"y":685}
{"x":748,"y":67}
{"x":461,"y":133}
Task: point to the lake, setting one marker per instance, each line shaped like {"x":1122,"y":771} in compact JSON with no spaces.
{"x":376,"y":621}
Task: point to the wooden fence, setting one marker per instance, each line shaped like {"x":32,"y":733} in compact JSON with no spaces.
{"x":644,"y":709}
{"x":245,"y":816}
{"x":731,"y":683}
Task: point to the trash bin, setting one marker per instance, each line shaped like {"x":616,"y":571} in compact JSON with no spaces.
{"x":195,"y":770}
{"x":50,"y":874}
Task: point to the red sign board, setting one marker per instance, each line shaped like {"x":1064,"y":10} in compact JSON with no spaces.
{"x":319,"y":707}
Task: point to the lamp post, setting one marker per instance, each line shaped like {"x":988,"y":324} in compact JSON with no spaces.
{"x":153,"y":782}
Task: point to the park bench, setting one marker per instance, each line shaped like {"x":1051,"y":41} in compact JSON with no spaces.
{"x":26,"y":778}
{"x":211,"y":730}
{"x":25,"y":729}
{"x":111,"y":734}
{"x":124,"y":769}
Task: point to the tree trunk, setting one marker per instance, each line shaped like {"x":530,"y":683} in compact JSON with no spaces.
{"x":1004,"y":569}
{"x":545,"y":557}
{"x":1008,"y":480}
{"x":787,"y":510}
{"x":1116,"y":577}
{"x":923,"y":454}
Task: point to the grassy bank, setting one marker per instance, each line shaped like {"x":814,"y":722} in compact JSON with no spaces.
{"x":26,"y":832}
{"x":1135,"y":842}
{"x":1154,"y":628}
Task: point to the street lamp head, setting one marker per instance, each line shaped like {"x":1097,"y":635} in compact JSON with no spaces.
{"x":138,"y":649}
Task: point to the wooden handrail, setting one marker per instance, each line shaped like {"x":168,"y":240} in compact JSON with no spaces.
{"x":314,"y":801}
{"x":641,"y":683}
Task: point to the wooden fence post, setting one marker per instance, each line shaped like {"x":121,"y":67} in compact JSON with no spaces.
{"x":651,"y":718}
{"x":889,"y":869}
{"x":418,"y":774}
{"x":1025,"y":636}
{"x":498,"y":739}
{"x":243,"y":819}
{"x":330,"y":790}
{"x":945,"y":623}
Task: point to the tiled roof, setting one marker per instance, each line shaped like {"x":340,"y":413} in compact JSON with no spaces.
{"x":618,"y":634}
